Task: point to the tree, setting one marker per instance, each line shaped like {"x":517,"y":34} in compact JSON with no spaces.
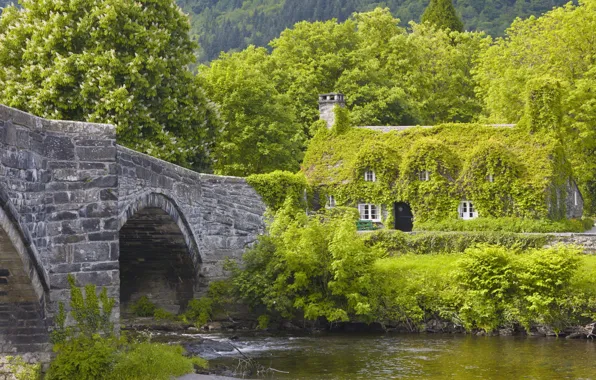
{"x":260,"y":134}
{"x":111,"y":61}
{"x":558,"y":45}
{"x":441,"y":13}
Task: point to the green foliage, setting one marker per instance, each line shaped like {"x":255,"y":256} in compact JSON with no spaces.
{"x":487,"y":276}
{"x":84,"y":357}
{"x":89,"y":350}
{"x":490,"y":178}
{"x":109,"y":61}
{"x":199,"y":311}
{"x":503,"y":288}
{"x":312,"y":267}
{"x":22,"y":370}
{"x":342,"y":120}
{"x":90,"y":313}
{"x":543,"y":69}
{"x":162,"y":314}
{"x":424,"y":243}
{"x":261,"y":133}
{"x":529,"y":171}
{"x":319,"y":267}
{"x":277,"y":186}
{"x":516,"y":225}
{"x":543,"y":106}
{"x":390,"y":75}
{"x":154,"y":361}
{"x":234,"y":25}
{"x":263,"y":321}
{"x":441,"y":14}
{"x":143,"y":307}
{"x":436,"y":197}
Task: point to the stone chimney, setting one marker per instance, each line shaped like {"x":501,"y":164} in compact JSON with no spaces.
{"x":326,"y":104}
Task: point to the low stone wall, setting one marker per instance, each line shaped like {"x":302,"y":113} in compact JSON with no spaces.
{"x":586,"y":241}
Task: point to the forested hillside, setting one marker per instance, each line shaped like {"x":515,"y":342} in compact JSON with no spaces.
{"x":222,"y":25}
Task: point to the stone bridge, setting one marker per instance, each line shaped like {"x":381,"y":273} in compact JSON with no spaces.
{"x":73,"y":202}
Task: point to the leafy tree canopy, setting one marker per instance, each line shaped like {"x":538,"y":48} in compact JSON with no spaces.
{"x":441,"y":13}
{"x":111,"y":61}
{"x":231,"y":25}
{"x":543,"y":73}
{"x":261,"y":133}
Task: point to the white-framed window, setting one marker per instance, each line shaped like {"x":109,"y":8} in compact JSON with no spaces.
{"x":370,"y":212}
{"x":424,"y":175}
{"x":467,"y":210}
{"x":575,"y":201}
{"x":370,"y":176}
{"x":490,"y":178}
{"x":330,"y":201}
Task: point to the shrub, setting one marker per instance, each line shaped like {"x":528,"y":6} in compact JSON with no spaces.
{"x":487,"y":278}
{"x":90,"y":350}
{"x":84,"y":358}
{"x":154,"y":361}
{"x":519,"y":225}
{"x":397,"y":242}
{"x":276,"y":186}
{"x":162,"y":314}
{"x":143,"y":307}
{"x":199,"y":311}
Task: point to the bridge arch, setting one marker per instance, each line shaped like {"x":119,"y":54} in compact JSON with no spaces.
{"x":159,"y":256}
{"x":24,"y":286}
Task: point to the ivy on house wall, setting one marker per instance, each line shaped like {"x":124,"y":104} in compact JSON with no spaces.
{"x":436,"y":197}
{"x":529,"y":170}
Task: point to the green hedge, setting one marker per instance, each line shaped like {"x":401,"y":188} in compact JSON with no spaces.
{"x":507,"y":225}
{"x":397,"y":242}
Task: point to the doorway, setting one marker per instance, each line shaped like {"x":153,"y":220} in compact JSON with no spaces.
{"x":402,"y":213}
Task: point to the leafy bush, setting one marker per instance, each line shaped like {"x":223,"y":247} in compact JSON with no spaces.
{"x":154,"y":361}
{"x":162,"y":314}
{"x":199,"y":311}
{"x":487,"y":277}
{"x":519,"y":225}
{"x":143,"y":307}
{"x":315,"y":267}
{"x":397,"y":242}
{"x":85,"y":358}
{"x":89,"y":349}
{"x":276,"y":186}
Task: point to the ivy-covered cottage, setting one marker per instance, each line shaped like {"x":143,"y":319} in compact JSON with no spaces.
{"x":395,"y":175}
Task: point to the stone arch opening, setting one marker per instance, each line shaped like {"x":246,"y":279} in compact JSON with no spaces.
{"x":158,"y":255}
{"x":23,"y":287}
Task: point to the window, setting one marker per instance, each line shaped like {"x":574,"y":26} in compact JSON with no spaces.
{"x":369,"y":212}
{"x":369,"y":176}
{"x":467,"y":210}
{"x":330,"y":201}
{"x":424,"y":175}
{"x":575,"y":197}
{"x":490,"y":178}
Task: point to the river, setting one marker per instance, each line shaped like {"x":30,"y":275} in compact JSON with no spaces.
{"x":413,"y":356}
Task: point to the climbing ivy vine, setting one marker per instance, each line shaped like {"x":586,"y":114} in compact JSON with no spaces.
{"x":504,"y":171}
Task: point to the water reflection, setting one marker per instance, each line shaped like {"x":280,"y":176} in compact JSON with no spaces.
{"x":422,"y":357}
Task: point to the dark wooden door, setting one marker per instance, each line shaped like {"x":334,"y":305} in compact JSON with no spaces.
{"x":402,"y":213}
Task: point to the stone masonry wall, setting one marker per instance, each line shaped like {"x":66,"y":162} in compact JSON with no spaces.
{"x":59,"y":180}
{"x":218,"y":216}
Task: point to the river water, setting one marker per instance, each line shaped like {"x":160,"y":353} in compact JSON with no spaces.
{"x":412,"y":356}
